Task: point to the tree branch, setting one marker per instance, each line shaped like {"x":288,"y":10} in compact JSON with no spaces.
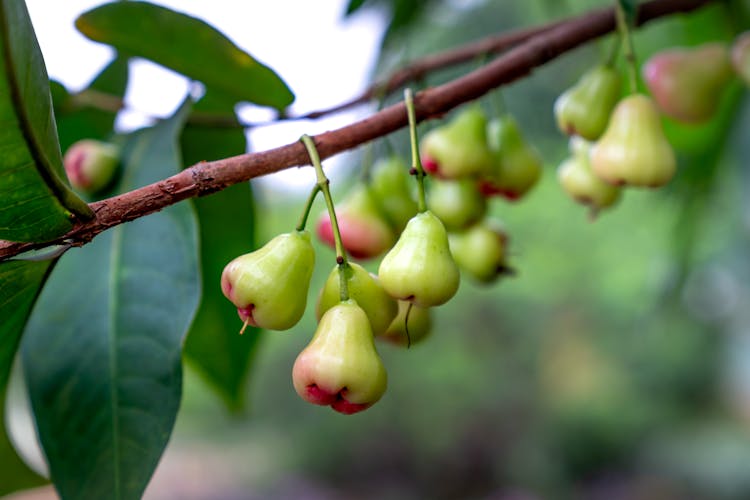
{"x":208,"y":177}
{"x":415,"y":70}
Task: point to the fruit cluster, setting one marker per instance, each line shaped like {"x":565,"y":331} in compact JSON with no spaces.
{"x":427,"y":240}
{"x":425,"y":246}
{"x":617,"y":142}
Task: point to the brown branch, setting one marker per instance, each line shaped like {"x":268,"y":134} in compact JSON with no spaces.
{"x":208,"y":177}
{"x":414,"y":71}
{"x":418,"y":68}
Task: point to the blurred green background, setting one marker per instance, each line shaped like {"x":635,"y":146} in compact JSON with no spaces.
{"x":615,"y":365}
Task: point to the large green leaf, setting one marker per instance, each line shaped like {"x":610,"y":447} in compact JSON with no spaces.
{"x":187,"y":45}
{"x":102,"y":350}
{"x":76,"y":121}
{"x":21,"y":281}
{"x":213,"y":345}
{"x":35,"y":200}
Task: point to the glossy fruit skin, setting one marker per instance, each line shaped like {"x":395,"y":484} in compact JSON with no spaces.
{"x":457,"y":203}
{"x":91,"y":165}
{"x":459,"y":148}
{"x":578,"y":180}
{"x":341,"y":367}
{"x":517,"y":165}
{"x":389,"y":183}
{"x":269,"y":286}
{"x":634,"y":150}
{"x":365,"y":232}
{"x":419,"y":268}
{"x":365,"y":289}
{"x":481,"y":251}
{"x":584,"y":109}
{"x":420,"y":325}
{"x":687,"y":84}
{"x":741,"y":56}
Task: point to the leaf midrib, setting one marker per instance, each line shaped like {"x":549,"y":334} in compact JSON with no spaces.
{"x":114,"y":278}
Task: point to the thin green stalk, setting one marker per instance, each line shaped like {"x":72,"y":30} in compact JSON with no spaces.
{"x":323,"y":185}
{"x":628,"y":50}
{"x":613,"y":51}
{"x":308,"y":206}
{"x":416,"y":162}
{"x":368,"y":158}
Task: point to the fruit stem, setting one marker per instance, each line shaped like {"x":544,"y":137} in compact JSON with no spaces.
{"x":416,"y":162}
{"x":613,"y":51}
{"x":323,"y":185}
{"x":497,"y":102}
{"x":308,"y":206}
{"x":628,"y":50}
{"x":406,"y":324}
{"x":368,"y":157}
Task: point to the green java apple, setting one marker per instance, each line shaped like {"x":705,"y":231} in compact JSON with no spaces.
{"x":687,"y":84}
{"x":419,"y":268}
{"x":584,"y":109}
{"x":481,"y":251}
{"x":269,"y":286}
{"x":457,"y":203}
{"x":341,"y":367}
{"x":364,"y":231}
{"x":389,"y":183}
{"x":459,"y":148}
{"x":634,"y":150}
{"x":577,"y":179}
{"x":91,"y":165}
{"x":406,"y":332}
{"x":517,"y":165}
{"x":365,"y":289}
{"x":741,"y":56}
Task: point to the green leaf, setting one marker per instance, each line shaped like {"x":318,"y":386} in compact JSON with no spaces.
{"x":81,"y":121}
{"x":353,"y":6}
{"x":102,"y":351}
{"x":21,"y":281}
{"x":214,"y":346}
{"x":187,"y":45}
{"x":36,"y":203}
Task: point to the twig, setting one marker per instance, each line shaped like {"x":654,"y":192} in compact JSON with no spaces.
{"x":416,"y":70}
{"x":208,"y":177}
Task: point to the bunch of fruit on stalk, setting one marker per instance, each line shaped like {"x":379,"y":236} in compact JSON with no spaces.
{"x":616,"y":142}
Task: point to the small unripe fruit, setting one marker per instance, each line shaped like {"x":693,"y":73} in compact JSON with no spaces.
{"x":269,"y":286}
{"x":365,"y":289}
{"x":687,"y":84}
{"x":584,"y":109}
{"x":390,"y":186}
{"x":459,"y":148}
{"x":407,"y":332}
{"x":577,"y":179}
{"x":634,"y":150}
{"x":741,"y":56}
{"x":419,"y":268}
{"x":91,"y":165}
{"x":364,"y":231}
{"x":458,"y":203}
{"x":517,"y":166}
{"x":481,"y":251}
{"x":341,"y":367}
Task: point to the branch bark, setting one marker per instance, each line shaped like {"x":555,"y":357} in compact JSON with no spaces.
{"x":208,"y":177}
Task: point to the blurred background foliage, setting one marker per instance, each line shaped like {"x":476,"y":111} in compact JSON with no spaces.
{"x":616,"y":365}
